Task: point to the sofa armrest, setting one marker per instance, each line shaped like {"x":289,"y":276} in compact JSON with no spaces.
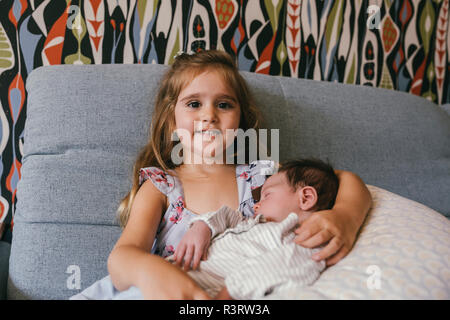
{"x":5,"y":249}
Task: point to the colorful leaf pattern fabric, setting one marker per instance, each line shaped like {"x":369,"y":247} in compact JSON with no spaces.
{"x":401,"y":45}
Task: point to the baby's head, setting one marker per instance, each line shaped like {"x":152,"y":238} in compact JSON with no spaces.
{"x":300,"y":186}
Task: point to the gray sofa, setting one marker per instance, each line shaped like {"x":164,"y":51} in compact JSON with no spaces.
{"x":85,"y":125}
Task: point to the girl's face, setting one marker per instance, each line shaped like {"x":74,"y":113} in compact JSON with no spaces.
{"x":207,"y":103}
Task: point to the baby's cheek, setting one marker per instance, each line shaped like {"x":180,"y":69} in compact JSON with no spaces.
{"x":280,"y":213}
{"x":269,"y":212}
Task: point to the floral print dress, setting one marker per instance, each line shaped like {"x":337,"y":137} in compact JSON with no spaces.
{"x":175,"y":220}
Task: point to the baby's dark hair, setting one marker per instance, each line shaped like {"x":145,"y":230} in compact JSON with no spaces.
{"x":314,"y":173}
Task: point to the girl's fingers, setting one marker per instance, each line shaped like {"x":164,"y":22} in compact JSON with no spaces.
{"x":188,"y":257}
{"x":201,"y":295}
{"x":197,"y":256}
{"x":337,"y":257}
{"x":179,"y":254}
{"x":307,"y":230}
{"x":316,"y":239}
{"x":330,"y":249}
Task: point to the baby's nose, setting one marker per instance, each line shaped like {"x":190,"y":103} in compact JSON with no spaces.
{"x":256,"y":206}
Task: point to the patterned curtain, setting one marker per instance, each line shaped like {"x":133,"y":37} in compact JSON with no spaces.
{"x":400,"y":45}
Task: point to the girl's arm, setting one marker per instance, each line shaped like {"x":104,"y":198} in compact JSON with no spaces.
{"x":130,"y":262}
{"x":338,"y":227}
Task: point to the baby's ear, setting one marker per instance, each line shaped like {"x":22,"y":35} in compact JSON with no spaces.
{"x":307,"y":198}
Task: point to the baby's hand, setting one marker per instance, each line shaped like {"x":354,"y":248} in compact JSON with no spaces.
{"x":194,"y":245}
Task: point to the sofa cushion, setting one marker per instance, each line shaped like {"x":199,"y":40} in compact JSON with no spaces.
{"x":57,"y":260}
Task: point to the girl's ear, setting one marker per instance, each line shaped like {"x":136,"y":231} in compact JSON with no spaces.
{"x":307,"y":197}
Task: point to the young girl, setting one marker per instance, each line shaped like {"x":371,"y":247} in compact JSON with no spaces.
{"x":203,"y":94}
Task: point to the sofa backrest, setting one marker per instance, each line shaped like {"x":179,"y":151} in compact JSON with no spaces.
{"x":85,"y":125}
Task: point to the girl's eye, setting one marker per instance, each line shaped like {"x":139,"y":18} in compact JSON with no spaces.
{"x":194,"y":104}
{"x":225,"y":105}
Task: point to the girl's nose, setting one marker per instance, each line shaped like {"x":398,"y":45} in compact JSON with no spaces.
{"x":208,"y":114}
{"x":256,"y":206}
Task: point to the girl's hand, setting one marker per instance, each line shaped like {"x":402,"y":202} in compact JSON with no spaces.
{"x":223,"y":295}
{"x":331,"y":228}
{"x":175,"y":285}
{"x":193,"y":246}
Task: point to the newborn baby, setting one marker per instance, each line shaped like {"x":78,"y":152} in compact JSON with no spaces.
{"x":249,"y":258}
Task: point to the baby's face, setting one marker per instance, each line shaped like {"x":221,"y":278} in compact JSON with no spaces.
{"x":277,"y":199}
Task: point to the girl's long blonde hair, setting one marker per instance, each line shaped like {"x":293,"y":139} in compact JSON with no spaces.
{"x":157,"y":151}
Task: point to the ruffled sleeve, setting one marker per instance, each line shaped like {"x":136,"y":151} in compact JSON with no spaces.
{"x":162,"y":180}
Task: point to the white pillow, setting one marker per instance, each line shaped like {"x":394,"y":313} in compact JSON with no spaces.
{"x":403,"y":244}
